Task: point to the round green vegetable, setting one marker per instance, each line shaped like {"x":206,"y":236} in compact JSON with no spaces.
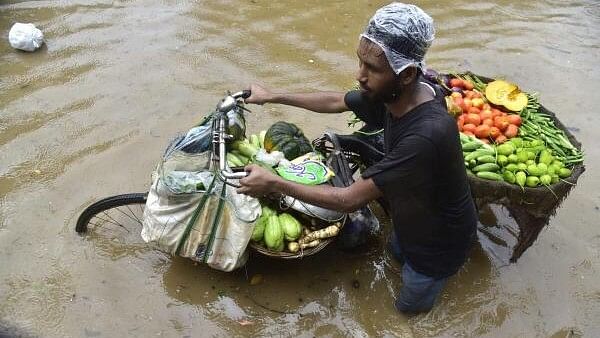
{"x":502,"y":160}
{"x":287,"y":138}
{"x":545,"y":179}
{"x":505,"y":149}
{"x":532,"y":181}
{"x":509,"y":177}
{"x":545,"y":157}
{"x":521,"y":178}
{"x":564,"y":173}
{"x":511,"y":167}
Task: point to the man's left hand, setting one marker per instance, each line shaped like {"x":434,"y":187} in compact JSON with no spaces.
{"x":258,"y":183}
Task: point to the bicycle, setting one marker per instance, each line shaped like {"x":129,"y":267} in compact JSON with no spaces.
{"x":124,"y":212}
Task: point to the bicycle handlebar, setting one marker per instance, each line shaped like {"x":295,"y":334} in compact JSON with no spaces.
{"x":228,"y":103}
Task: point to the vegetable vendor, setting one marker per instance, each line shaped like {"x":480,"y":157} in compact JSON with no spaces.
{"x":422,"y":175}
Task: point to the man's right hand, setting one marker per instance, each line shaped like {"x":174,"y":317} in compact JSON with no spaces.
{"x":259,"y":95}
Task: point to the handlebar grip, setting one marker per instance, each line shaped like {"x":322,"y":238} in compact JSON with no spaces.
{"x":246,"y":93}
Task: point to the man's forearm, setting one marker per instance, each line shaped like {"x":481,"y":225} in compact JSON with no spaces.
{"x":325,"y":196}
{"x":320,"y":102}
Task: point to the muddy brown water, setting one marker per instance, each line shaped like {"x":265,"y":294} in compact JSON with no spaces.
{"x":88,"y":115}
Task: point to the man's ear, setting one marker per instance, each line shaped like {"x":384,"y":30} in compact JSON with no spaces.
{"x":408,"y":75}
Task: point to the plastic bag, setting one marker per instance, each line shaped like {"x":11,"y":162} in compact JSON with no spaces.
{"x":404,"y":32}
{"x":25,"y":36}
{"x":191,"y":213}
{"x":307,"y":169}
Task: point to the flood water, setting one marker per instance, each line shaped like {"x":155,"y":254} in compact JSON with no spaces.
{"x":89,"y":115}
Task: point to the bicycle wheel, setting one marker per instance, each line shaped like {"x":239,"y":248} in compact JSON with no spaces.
{"x":115,"y":217}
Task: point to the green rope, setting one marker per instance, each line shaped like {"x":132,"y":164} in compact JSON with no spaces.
{"x":216,"y":221}
{"x":194,"y":218}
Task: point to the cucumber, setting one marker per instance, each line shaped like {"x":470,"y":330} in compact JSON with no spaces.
{"x":254,"y":140}
{"x":486,"y":167}
{"x":479,"y":152}
{"x":240,"y":156}
{"x":471,"y":146}
{"x":488,"y":175}
{"x":231,"y":158}
{"x":464,"y":138}
{"x":486,"y":159}
{"x":246,"y":149}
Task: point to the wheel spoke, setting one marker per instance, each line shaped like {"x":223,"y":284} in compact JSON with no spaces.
{"x":115,"y":221}
{"x":134,"y":215}
{"x":128,"y":215}
{"x":105,"y":221}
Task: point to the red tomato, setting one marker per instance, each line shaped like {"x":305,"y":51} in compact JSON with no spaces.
{"x":456,"y":83}
{"x":468,"y":127}
{"x":488,"y":122}
{"x":473,"y":119}
{"x":511,"y":131}
{"x":485,"y":140}
{"x":469,"y":94}
{"x":486,"y":106}
{"x":468,"y":133}
{"x":460,"y":122}
{"x":514,"y":119}
{"x":495,"y":132}
{"x":486,"y":114}
{"x":496,"y":112}
{"x":501,"y":139}
{"x":468,"y":85}
{"x":482,"y":131}
{"x":474,"y":110}
{"x":501,"y":123}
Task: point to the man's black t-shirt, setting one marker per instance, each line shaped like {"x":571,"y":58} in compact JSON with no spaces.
{"x":424,"y":180}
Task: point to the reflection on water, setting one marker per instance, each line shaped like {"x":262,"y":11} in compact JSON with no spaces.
{"x":89,"y":115}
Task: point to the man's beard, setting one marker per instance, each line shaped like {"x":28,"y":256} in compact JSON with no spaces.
{"x":389,"y":95}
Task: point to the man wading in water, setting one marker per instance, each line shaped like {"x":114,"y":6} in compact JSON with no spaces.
{"x":422,"y":175}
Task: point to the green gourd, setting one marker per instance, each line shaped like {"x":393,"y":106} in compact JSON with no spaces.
{"x":292,"y":229}
{"x":273,"y":234}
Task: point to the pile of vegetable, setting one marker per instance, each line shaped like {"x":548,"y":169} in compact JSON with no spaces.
{"x":279,"y":232}
{"x":477,"y":117}
{"x":521,"y":162}
{"x":276,"y":230}
{"x":504,"y":135}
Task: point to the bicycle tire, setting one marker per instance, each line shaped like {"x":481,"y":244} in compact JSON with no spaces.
{"x":106,"y":204}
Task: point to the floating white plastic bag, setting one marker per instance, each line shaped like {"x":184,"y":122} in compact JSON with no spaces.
{"x":25,"y":36}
